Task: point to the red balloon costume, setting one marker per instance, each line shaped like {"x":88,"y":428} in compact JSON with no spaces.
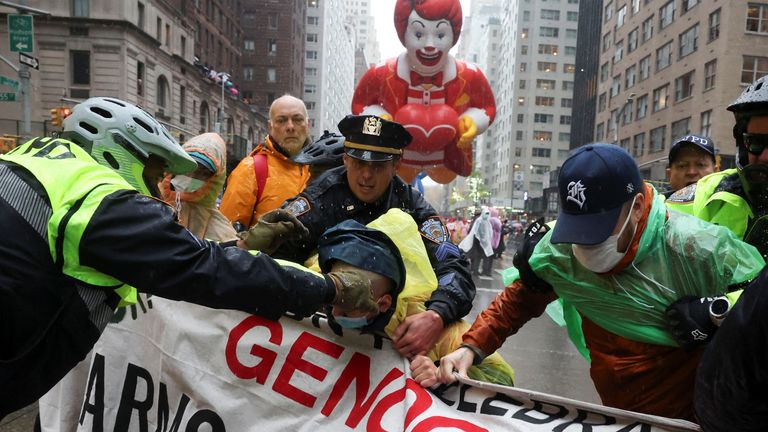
{"x":443,"y":102}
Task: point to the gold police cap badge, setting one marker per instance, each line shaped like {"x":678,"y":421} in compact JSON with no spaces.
{"x":372,"y":126}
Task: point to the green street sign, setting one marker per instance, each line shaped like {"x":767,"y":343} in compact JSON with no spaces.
{"x":9,"y":82}
{"x":21,"y":33}
{"x":8,"y":97}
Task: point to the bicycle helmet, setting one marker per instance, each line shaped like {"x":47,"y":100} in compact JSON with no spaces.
{"x":752,"y":102}
{"x":122,"y":136}
{"x":327,"y":151}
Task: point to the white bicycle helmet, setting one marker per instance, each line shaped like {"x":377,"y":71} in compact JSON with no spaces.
{"x":122,"y":136}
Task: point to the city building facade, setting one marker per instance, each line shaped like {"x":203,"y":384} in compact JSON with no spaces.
{"x":273,"y":50}
{"x":670,"y":68}
{"x":142,"y":52}
{"x":329,"y":69}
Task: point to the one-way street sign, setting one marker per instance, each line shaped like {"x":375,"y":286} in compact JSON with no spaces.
{"x":29,"y":60}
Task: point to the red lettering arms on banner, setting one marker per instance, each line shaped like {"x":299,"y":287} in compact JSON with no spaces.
{"x":294,"y":362}
{"x":358,"y":370}
{"x":260,"y":370}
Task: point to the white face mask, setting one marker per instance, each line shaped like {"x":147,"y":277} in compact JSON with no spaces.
{"x":182,"y":183}
{"x":604,"y":256}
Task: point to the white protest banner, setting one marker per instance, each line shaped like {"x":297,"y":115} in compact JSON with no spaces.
{"x":169,"y":366}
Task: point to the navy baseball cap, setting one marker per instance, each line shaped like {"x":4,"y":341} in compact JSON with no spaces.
{"x":594,"y":183}
{"x":371,"y":138}
{"x":363,"y":247}
{"x":704,"y":143}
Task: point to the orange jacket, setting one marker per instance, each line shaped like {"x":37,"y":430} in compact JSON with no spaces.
{"x":285,"y":179}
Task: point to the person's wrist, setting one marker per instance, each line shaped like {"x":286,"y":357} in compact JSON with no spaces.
{"x":435,"y":315}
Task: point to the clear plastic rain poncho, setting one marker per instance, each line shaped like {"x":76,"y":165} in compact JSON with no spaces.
{"x":678,"y":255}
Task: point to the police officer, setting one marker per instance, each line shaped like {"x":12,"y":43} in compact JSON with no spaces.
{"x":690,"y":158}
{"x":81,"y":231}
{"x":364,"y":189}
{"x":738,"y":198}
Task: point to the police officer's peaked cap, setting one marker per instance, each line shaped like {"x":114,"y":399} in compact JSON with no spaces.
{"x":363,"y":247}
{"x":371,"y":138}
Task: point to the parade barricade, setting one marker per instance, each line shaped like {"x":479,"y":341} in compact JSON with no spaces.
{"x":171,"y":366}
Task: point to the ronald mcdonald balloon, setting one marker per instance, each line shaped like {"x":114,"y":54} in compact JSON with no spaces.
{"x":443,"y":102}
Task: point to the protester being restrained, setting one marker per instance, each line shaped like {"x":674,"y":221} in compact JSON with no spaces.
{"x":616,"y":259}
{"x":386,"y":251}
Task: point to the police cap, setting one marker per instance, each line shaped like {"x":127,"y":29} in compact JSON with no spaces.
{"x":371,"y":138}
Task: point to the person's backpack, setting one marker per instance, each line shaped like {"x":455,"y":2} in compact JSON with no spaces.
{"x":261,"y":171}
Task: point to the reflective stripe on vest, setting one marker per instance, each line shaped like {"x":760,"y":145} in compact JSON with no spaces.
{"x":75,"y":185}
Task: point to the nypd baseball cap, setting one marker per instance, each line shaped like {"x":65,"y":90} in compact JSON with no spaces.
{"x":696,"y":141}
{"x":594,"y":183}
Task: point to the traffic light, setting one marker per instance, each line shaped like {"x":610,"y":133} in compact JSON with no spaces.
{"x":55,"y":117}
{"x":58,"y":115}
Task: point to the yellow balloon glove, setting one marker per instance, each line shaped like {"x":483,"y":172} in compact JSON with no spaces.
{"x":386,"y":116}
{"x":467,"y":132}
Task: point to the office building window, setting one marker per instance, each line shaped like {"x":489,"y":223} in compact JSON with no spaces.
{"x":520,"y":118}
{"x":568,"y":85}
{"x":272,"y":47}
{"x":689,"y":41}
{"x":638,"y":147}
{"x":545,"y":101}
{"x":706,"y":123}
{"x":547,"y":66}
{"x":571,"y":33}
{"x":599,"y":130}
{"x":630,"y":76}
{"x":570,"y":50}
{"x":271,"y":75}
{"x":311,"y":55}
{"x":248,"y":73}
{"x":518,"y":137}
{"x":684,"y":86}
{"x":608,"y":12}
{"x":658,"y":136}
{"x":757,"y":18}
{"x":550,"y":14}
{"x":661,"y":98}
{"x":635,"y":6}
{"x":604,"y":70}
{"x":601,"y":102}
{"x":645,"y":68}
{"x":524,"y":34}
{"x":626,"y":111}
{"x":547,"y":49}
{"x":249,"y":45}
{"x":548,"y":32}
{"x":667,"y":14}
{"x":615,"y":86}
{"x":140,"y":78}
{"x":521,"y":101}
{"x":648,"y":29}
{"x":752,"y":68}
{"x":272,"y":21}
{"x":681,"y":128}
{"x":141,"y":21}
{"x":563,"y":137}
{"x":80,"y":8}
{"x":521,"y":84}
{"x":313,"y":20}
{"x":618,"y":52}
{"x":312,"y":37}
{"x":710,"y":73}
{"x":621,"y":16}
{"x":688,"y":5}
{"x":310,"y":72}
{"x":310,"y":89}
{"x":543,"y":118}
{"x":569,"y":68}
{"x":566,"y":103}
{"x":163,"y":92}
{"x":542,"y":135}
{"x":664,"y":56}
{"x":642,"y":107}
{"x":523,"y":66}
{"x":565,"y":119}
{"x":81,"y":67}
{"x":523,"y":49}
{"x":632,"y":40}
{"x":714,"y":25}
{"x":573,"y":16}
{"x":607,"y":41}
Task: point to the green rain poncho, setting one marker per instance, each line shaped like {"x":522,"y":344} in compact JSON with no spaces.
{"x":678,"y":255}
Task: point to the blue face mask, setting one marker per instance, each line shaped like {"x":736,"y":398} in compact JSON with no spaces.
{"x":351,"y":323}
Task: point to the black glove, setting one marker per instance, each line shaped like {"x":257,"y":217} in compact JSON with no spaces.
{"x":690,"y":322}
{"x":531,"y":237}
{"x":273,"y":228}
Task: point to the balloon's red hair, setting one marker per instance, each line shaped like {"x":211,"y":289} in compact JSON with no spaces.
{"x":431,"y":10}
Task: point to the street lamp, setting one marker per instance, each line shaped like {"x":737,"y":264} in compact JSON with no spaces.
{"x":619,"y":114}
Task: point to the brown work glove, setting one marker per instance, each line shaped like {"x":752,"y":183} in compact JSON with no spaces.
{"x":272,"y":229}
{"x":353,"y":292}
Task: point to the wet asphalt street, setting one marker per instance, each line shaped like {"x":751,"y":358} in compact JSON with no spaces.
{"x":543,"y":357}
{"x":541,"y":354}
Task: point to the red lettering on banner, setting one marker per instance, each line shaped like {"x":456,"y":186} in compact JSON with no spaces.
{"x":295,"y":362}
{"x":358,"y":370}
{"x":440,"y":422}
{"x":422,"y":403}
{"x":268,"y":357}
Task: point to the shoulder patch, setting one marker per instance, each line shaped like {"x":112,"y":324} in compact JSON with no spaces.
{"x":299,"y":206}
{"x":434,"y":230}
{"x":684,"y":195}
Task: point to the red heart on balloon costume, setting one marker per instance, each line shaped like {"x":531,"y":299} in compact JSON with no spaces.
{"x":433,"y":127}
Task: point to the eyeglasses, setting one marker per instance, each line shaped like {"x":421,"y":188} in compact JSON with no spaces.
{"x":755,"y":143}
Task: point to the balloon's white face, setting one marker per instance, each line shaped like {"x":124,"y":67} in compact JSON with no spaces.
{"x":427,"y":43}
